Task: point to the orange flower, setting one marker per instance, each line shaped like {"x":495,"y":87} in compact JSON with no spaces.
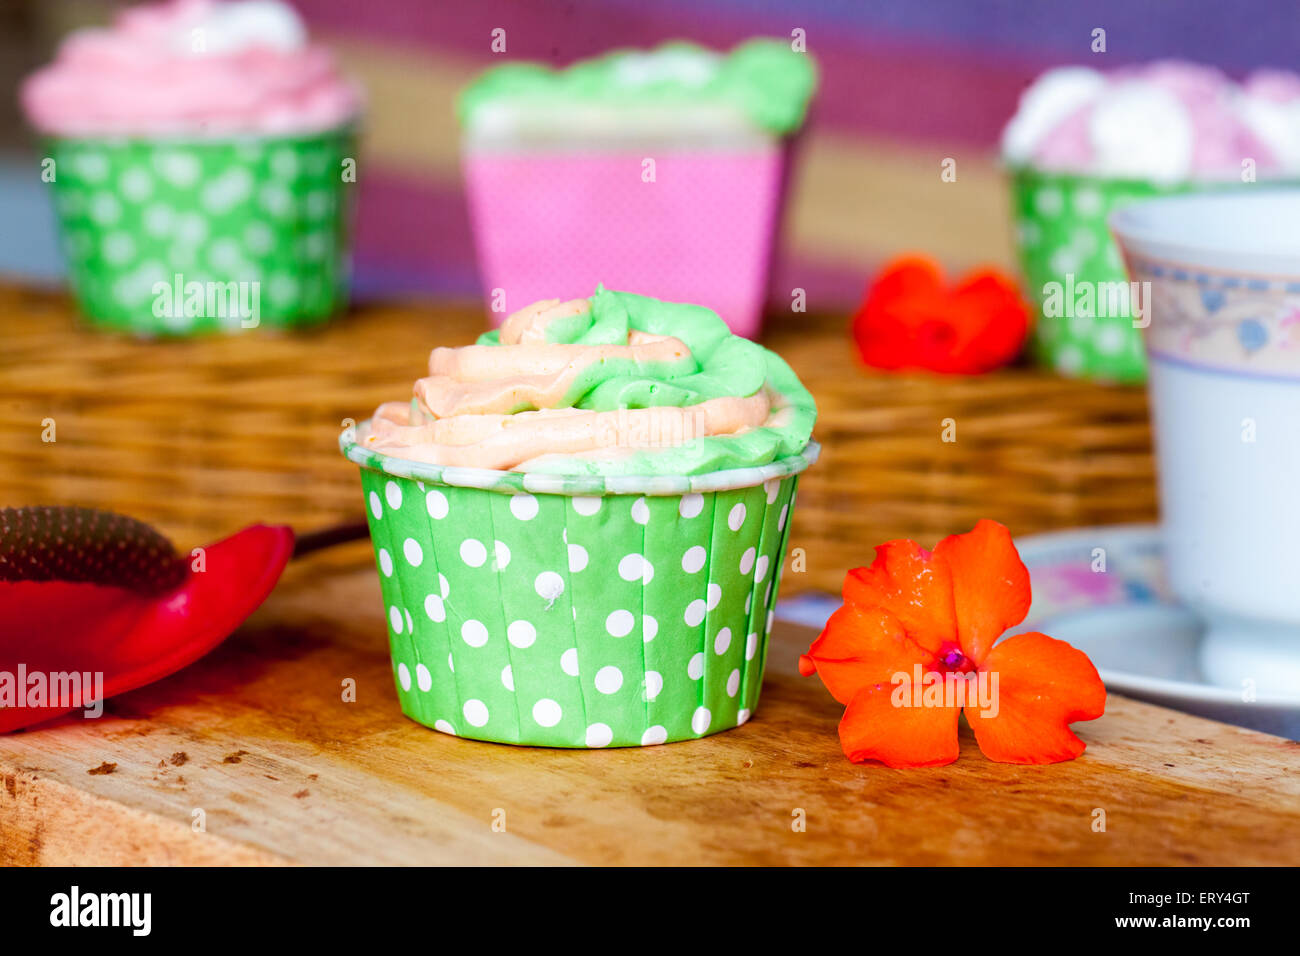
{"x":913,"y":646}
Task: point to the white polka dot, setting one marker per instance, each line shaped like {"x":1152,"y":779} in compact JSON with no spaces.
{"x":105,"y":210}
{"x":523,"y":507}
{"x":423,"y":679}
{"x":435,"y":502}
{"x":649,"y":628}
{"x":569,"y":662}
{"x":694,"y":558}
{"x":640,"y":511}
{"x":653,"y":736}
{"x":760,"y":571}
{"x":500,"y":556}
{"x":474,"y":632}
{"x":410,"y":623}
{"x":413,"y":553}
{"x":508,"y":678}
{"x":1110,"y":338}
{"x":385,"y":562}
{"x":473,"y":553}
{"x":586,"y":505}
{"x":722,"y":641}
{"x":736,"y":517}
{"x":749,"y":602}
{"x":521,"y":634}
{"x":695,"y":668}
{"x":549,"y":585}
{"x":451,"y":662}
{"x":742,"y":716}
{"x":599,"y":735}
{"x":771,"y":616}
{"x":547,"y":712}
{"x":442,"y":585}
{"x":395,"y":619}
{"x":577,"y":558}
{"x":695,"y":612}
{"x":701,"y":719}
{"x":733,"y":683}
{"x":393,"y":494}
{"x":690,"y":505}
{"x":404,"y":676}
{"x":1049,"y":201}
{"x":118,"y":248}
{"x":747,"y":561}
{"x":634,"y":567}
{"x":376,"y":508}
{"x":652,"y":685}
{"x":715,"y":595}
{"x":780,"y":522}
{"x":620,"y":623}
{"x":445,"y":727}
{"x":751,"y":645}
{"x":772,"y":487}
{"x":609,"y":679}
{"x":475,"y":712}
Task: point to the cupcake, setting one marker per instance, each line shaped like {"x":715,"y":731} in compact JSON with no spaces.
{"x":199,"y":155}
{"x":661,"y":171}
{"x":1084,"y":142}
{"x":580,"y":524}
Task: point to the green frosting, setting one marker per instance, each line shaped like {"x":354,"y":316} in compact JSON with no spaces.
{"x":720,"y":364}
{"x":764,"y":79}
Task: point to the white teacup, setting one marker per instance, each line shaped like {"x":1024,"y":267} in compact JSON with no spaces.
{"x":1219,"y":285}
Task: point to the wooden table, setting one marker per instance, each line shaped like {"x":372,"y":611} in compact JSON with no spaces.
{"x":257,"y":737}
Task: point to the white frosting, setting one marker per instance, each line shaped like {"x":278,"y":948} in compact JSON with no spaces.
{"x":1141,"y":130}
{"x":1053,"y":96}
{"x":1277,"y":125}
{"x":693,"y":68}
{"x":225,"y":28}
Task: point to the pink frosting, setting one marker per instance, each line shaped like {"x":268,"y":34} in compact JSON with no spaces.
{"x":191,"y":67}
{"x":1208,"y":136}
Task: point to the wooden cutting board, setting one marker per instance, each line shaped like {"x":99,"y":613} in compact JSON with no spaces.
{"x":256,"y":742}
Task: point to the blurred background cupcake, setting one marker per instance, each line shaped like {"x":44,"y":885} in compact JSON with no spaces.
{"x":661,"y":171}
{"x":1083,"y":142}
{"x":201,"y":156}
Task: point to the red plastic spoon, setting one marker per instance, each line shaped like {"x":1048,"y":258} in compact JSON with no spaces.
{"x":94,"y":593}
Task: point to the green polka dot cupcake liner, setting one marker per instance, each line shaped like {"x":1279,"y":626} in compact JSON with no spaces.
{"x":1062,"y":237}
{"x":180,"y":237}
{"x":558,"y":611}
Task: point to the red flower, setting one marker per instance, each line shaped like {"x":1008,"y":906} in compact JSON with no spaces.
{"x":910,"y":319}
{"x":913,"y":646}
{"x":90,"y":592}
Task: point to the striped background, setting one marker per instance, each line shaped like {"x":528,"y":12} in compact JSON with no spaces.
{"x":905,"y":84}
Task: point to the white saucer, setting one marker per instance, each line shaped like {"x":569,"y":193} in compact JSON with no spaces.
{"x":1144,"y":644}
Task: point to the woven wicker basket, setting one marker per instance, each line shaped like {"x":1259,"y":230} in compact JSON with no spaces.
{"x":202,"y":437}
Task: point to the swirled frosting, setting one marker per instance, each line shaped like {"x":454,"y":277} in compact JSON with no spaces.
{"x":1167,"y":121}
{"x":191,"y":68}
{"x":617,"y":384}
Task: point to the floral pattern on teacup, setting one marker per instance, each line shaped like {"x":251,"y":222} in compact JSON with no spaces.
{"x":1224,"y":321}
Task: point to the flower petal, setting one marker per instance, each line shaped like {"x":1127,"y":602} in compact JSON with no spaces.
{"x":860,"y":647}
{"x":990,"y":585}
{"x":912,"y":586}
{"x":873,"y":728}
{"x":1043,"y":685}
